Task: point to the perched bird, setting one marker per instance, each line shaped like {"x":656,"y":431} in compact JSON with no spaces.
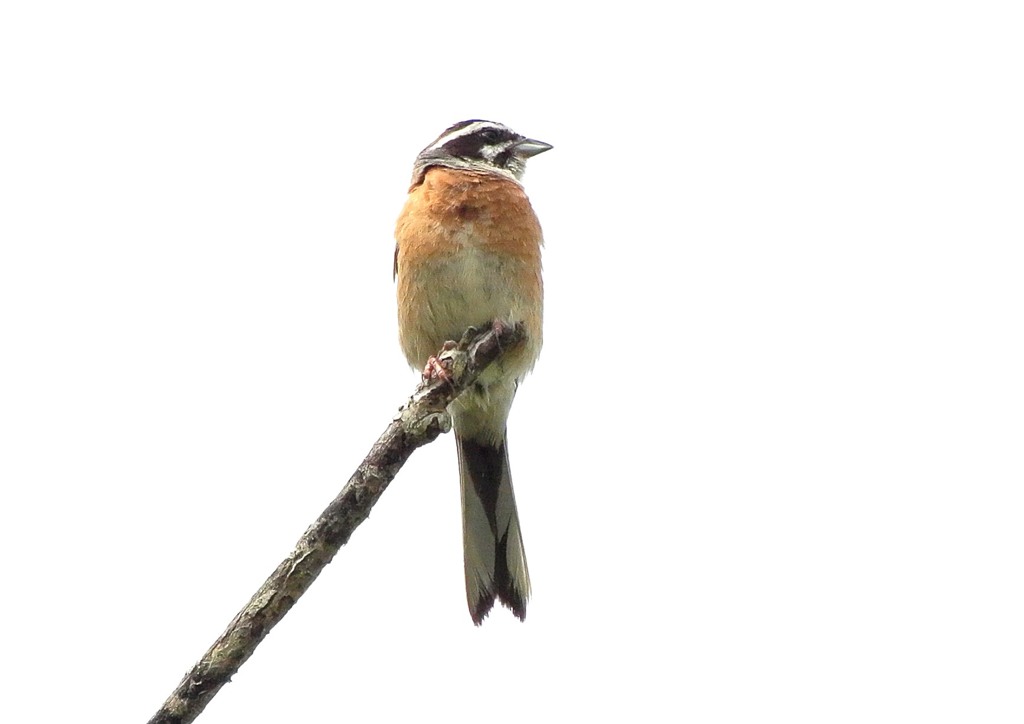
{"x":468,"y":255}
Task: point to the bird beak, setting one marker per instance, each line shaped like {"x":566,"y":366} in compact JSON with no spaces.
{"x":529,"y":147}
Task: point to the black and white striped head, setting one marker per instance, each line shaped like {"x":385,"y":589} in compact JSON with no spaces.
{"x":481,"y":146}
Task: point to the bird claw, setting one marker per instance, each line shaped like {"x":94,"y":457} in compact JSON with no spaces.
{"x":439,"y":369}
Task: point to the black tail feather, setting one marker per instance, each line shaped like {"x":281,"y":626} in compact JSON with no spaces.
{"x":495,"y":562}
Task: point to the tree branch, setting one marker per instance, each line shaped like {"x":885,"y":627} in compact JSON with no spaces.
{"x":419,"y":422}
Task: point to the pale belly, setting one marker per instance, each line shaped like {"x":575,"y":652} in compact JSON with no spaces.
{"x":471,"y":288}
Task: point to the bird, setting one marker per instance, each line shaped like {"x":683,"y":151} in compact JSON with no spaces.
{"x":468,"y":254}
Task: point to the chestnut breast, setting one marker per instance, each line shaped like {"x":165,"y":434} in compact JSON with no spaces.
{"x":468,"y":253}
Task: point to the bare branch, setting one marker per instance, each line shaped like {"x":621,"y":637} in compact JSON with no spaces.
{"x":419,"y":422}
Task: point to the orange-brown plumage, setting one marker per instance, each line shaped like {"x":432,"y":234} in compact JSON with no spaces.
{"x":451,"y":219}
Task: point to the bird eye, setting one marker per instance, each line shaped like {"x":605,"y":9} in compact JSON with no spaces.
{"x":490,"y":135}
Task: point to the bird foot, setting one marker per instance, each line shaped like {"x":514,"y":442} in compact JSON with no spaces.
{"x":439,"y":369}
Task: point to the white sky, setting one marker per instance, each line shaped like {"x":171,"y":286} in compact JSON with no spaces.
{"x":769,"y":466}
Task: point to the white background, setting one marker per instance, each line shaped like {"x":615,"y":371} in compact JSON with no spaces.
{"x":769,"y":466}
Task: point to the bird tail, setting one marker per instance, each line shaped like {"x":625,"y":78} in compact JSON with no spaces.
{"x":495,"y":560}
